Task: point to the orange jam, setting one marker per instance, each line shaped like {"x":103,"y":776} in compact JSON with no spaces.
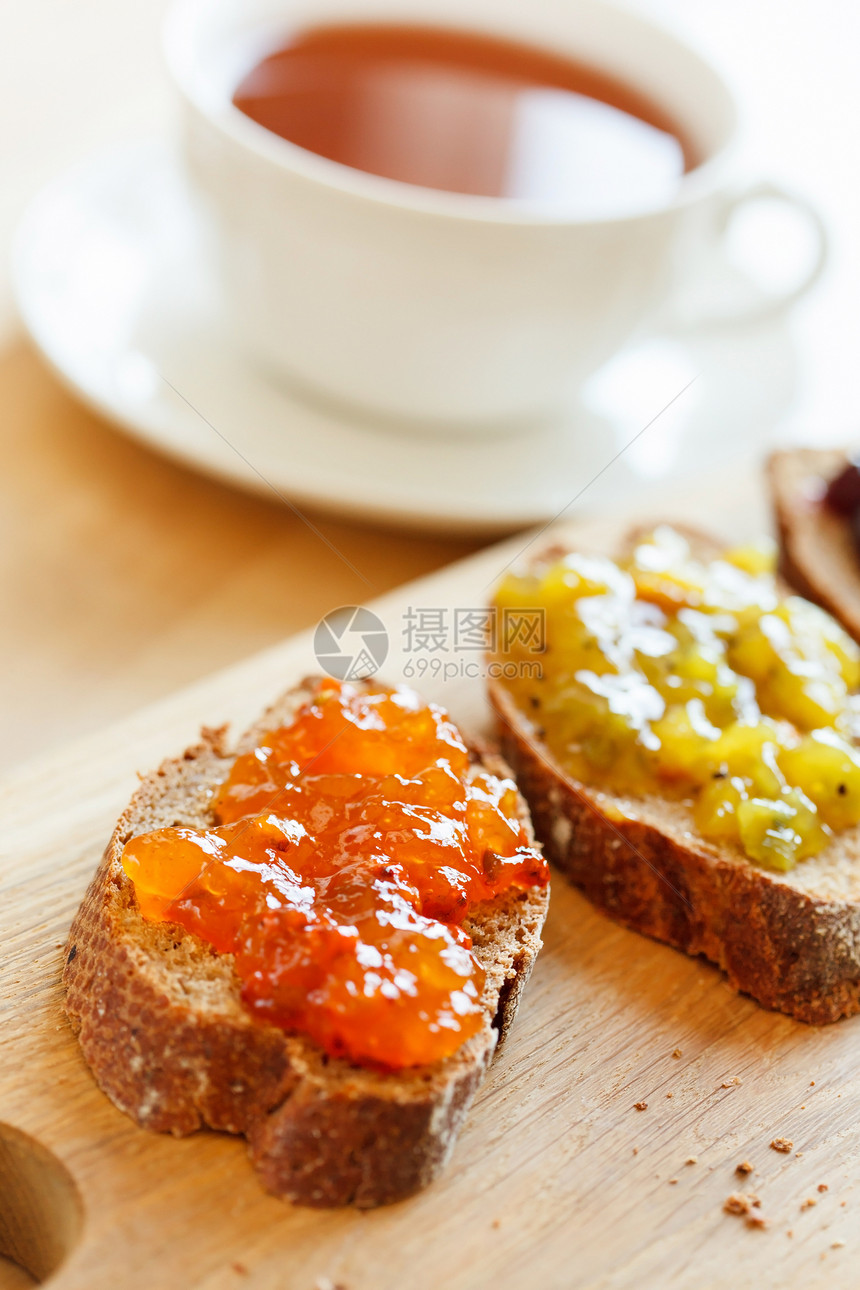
{"x":347,"y":850}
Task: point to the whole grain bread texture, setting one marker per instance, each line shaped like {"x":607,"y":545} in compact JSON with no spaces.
{"x":160,"y":1021}
{"x":818,"y":551}
{"x":790,"y":940}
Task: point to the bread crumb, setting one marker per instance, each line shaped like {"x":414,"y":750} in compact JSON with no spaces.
{"x":803,"y":1106}
{"x":730,"y":1083}
{"x":809,"y":1202}
{"x":812,"y":1083}
{"x":691,"y":1160}
{"x":823,"y":1187}
{"x":670,"y":1094}
{"x":676,"y":1052}
{"x":744,"y":1167}
{"x":737,"y":1203}
{"x":798,"y":1154}
{"x":756,"y":1220}
{"x":636,"y":1151}
{"x":782,"y":1144}
{"x":672,"y":1182}
{"x":640,"y":1106}
{"x":789,"y":1232}
{"x":837,"y":1245}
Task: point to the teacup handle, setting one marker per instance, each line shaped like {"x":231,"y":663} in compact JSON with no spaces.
{"x":769,"y":304}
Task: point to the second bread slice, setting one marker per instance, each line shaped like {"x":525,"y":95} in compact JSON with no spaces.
{"x":791,"y":940}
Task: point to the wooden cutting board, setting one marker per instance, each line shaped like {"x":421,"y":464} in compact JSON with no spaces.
{"x":557,"y":1180}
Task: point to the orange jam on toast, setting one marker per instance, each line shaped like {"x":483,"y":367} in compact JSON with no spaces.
{"x":668,"y":674}
{"x":347,"y":849}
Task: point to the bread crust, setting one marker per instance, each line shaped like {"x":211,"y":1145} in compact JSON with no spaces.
{"x":160,"y":1022}
{"x":643,"y":863}
{"x":818,"y":553}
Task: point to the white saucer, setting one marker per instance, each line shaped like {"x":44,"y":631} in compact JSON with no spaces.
{"x":112,"y":278}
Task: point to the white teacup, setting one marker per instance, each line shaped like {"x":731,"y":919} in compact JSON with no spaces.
{"x":431,"y":308}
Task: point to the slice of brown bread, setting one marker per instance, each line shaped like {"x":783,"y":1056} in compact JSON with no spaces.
{"x":791,"y":940}
{"x":818,"y":554}
{"x":161,"y":1024}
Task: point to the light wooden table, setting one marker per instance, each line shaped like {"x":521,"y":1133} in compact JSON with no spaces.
{"x":123,"y":576}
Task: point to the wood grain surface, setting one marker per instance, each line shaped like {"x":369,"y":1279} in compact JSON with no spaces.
{"x":557,"y":1181}
{"x":124,"y":576}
